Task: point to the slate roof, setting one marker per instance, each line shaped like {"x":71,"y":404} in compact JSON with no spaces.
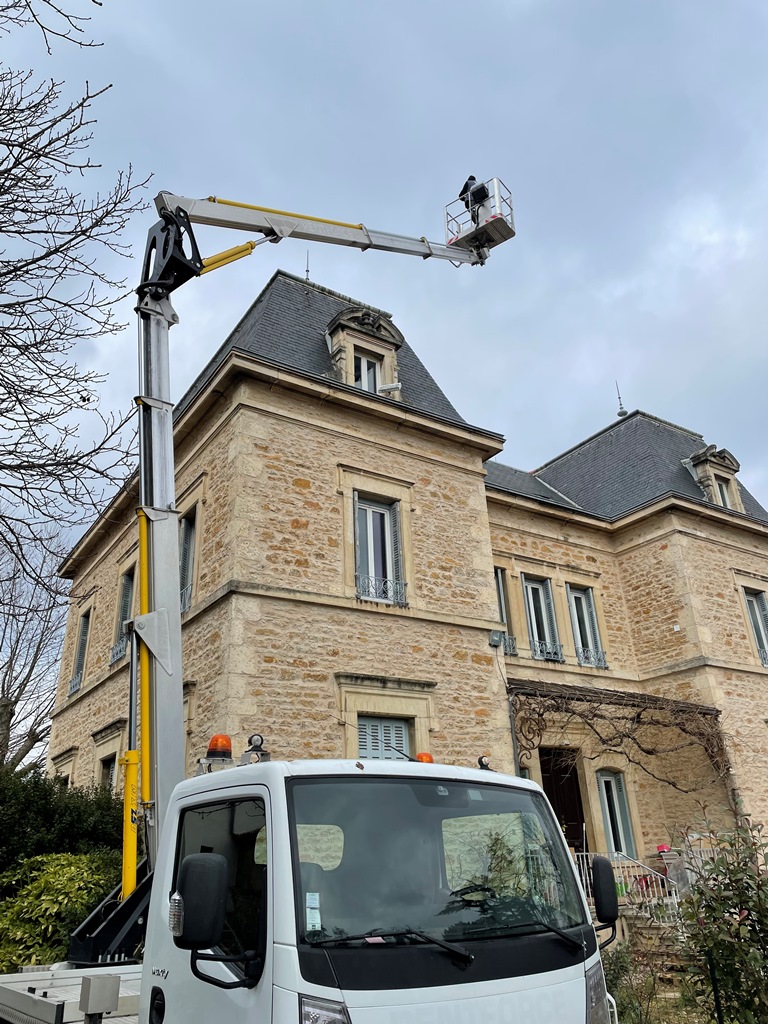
{"x":517,"y":481}
{"x":286,"y":326}
{"x":629,"y":464}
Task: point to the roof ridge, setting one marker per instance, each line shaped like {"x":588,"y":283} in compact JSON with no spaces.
{"x":613,"y":426}
{"x":325,"y":291}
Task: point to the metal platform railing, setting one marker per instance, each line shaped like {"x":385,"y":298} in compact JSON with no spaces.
{"x":641,"y":889}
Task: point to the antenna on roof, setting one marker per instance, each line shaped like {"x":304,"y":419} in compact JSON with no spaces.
{"x":622,"y":411}
{"x":307,"y":271}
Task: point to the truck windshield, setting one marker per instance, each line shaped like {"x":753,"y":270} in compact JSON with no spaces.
{"x":451,"y":860}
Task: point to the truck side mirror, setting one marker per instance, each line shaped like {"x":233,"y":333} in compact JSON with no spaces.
{"x":202,"y":886}
{"x":605,"y":895}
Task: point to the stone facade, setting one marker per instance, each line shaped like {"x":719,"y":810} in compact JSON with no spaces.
{"x":278,"y":638}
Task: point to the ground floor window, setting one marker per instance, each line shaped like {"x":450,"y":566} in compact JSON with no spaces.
{"x":613,"y":800}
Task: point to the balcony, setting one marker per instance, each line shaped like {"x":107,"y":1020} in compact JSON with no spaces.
{"x":377,"y":588}
{"x":74,"y":683}
{"x":543,"y":650}
{"x":118,"y":650}
{"x":591,"y":657}
{"x":510,"y":645}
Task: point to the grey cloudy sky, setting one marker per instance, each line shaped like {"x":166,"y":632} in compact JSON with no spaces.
{"x":632,"y":135}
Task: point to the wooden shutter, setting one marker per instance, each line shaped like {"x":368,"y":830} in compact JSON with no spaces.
{"x":126,"y":601}
{"x":592,"y":615}
{"x":82,"y":642}
{"x":623,"y":807}
{"x":356,"y":528}
{"x":187,"y":556}
{"x":577,"y":637}
{"x":501,"y":596}
{"x":397,"y":553}
{"x":550,"y":609}
{"x":376,"y":738}
{"x":528,"y":616}
{"x":762,"y":604}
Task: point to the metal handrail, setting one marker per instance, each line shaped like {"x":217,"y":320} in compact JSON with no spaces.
{"x":639,"y":886}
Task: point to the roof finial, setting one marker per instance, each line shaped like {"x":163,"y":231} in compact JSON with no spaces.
{"x":307,"y":270}
{"x":622,"y":411}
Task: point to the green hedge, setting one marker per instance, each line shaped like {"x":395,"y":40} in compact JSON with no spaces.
{"x":43,"y":899}
{"x":38,"y":815}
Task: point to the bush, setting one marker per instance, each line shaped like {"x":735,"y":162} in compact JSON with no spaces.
{"x":45,"y":898}
{"x":38,"y":815}
{"x":726,"y":922}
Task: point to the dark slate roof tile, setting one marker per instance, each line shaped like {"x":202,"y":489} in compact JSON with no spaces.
{"x":517,"y":481}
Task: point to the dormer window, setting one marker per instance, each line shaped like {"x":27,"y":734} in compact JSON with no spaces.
{"x":367,"y":371}
{"x":723,"y":491}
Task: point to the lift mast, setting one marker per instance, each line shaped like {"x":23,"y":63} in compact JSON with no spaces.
{"x":475,"y":223}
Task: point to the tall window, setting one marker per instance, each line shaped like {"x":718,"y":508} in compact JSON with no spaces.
{"x":82,"y":646}
{"x":123,"y":614}
{"x":586,"y":636}
{"x":542,"y":624}
{"x":613,"y":800}
{"x":500,"y":576}
{"x":187,"y":556}
{"x":367,"y":372}
{"x":757,"y":606}
{"x":378,"y":551}
{"x":107,"y":773}
{"x":382,"y":739}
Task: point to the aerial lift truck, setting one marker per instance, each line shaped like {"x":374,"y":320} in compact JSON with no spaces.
{"x":319,"y":892}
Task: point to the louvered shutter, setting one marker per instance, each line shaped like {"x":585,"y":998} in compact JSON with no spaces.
{"x":187,"y":550}
{"x":356,"y":528}
{"x":82,"y":643}
{"x":397,"y":554}
{"x":550,"y":608}
{"x":111,"y":780}
{"x":763,"y":605}
{"x":500,"y":594}
{"x":578,"y":639}
{"x":376,"y":738}
{"x":126,"y":602}
{"x":623,"y":807}
{"x":595,"y":640}
{"x":528,"y":616}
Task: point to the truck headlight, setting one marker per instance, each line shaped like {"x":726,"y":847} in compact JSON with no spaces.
{"x":597,"y":996}
{"x":323,"y":1011}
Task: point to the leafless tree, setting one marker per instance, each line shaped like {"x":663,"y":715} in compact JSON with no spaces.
{"x":59,"y":453}
{"x":32,"y":616}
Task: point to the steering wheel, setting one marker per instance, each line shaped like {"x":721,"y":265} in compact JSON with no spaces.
{"x":468,"y":891}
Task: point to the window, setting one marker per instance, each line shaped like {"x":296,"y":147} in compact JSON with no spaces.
{"x":382,"y":739}
{"x":187,"y":556}
{"x":586,"y":636}
{"x":367,"y":372}
{"x":80,"y":651}
{"x":107,"y":772}
{"x":378,"y":551}
{"x":500,"y":575}
{"x":542,"y":625}
{"x":613,"y":800}
{"x":757,"y":607}
{"x":723,"y":491}
{"x":237,"y":831}
{"x":123,"y":613}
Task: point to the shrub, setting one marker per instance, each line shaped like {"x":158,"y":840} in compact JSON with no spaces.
{"x":726,"y":923}
{"x":38,"y":815}
{"x":44,"y":898}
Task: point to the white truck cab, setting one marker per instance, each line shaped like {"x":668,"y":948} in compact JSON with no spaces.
{"x":369,"y":892}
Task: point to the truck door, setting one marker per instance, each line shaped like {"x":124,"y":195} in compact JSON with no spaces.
{"x":237,"y":828}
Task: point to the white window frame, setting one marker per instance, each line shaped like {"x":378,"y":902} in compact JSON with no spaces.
{"x":757,"y":610}
{"x":392,"y":733}
{"x":586,"y":632}
{"x":546,"y":647}
{"x":724,"y":490}
{"x":187,"y":544}
{"x":619,"y":836}
{"x":368,"y":363}
{"x":500,"y":578}
{"x":390,"y":587}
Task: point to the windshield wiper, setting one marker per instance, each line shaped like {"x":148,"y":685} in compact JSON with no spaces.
{"x":449,"y":947}
{"x":578,"y":944}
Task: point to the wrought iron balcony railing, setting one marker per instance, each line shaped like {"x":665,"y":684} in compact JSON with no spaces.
{"x":510,"y":645}
{"x":186,"y":598}
{"x":591,"y":656}
{"x":543,"y":650}
{"x":763,"y":658}
{"x":118,"y":650}
{"x":377,"y":588}
{"x":74,"y":683}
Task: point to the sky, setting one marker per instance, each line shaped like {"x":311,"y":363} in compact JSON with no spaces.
{"x":631,"y":134}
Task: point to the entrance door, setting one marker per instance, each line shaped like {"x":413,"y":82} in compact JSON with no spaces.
{"x":560,"y":781}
